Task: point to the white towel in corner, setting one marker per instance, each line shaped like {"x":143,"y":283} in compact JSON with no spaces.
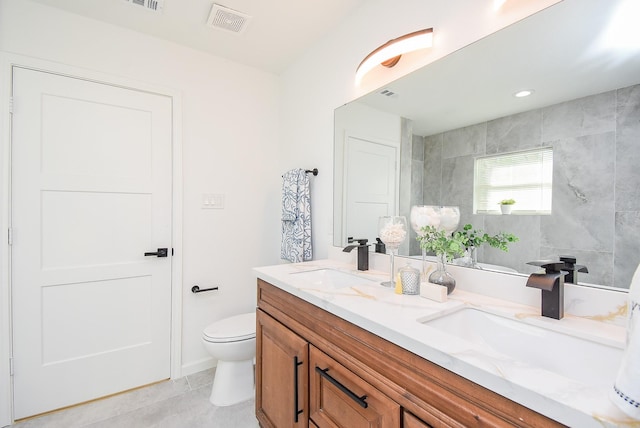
{"x":626,"y":390}
{"x":296,"y":217}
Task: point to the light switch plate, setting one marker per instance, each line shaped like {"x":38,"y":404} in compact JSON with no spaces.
{"x":212,"y":201}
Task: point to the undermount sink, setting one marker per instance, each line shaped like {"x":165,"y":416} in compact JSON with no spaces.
{"x":331,"y":278}
{"x":573,"y":357}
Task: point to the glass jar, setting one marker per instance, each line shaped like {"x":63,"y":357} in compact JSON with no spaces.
{"x":441,"y":277}
{"x":410,"y":279}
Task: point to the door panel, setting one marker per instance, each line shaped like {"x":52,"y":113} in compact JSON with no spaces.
{"x":370,"y":186}
{"x":96,"y":302}
{"x":91,"y":193}
{"x":102,"y":133}
{"x":98,"y":218}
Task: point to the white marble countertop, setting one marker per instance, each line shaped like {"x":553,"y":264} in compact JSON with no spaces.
{"x":572,"y":400}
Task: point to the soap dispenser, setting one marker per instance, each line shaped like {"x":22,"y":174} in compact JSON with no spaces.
{"x":626,"y":389}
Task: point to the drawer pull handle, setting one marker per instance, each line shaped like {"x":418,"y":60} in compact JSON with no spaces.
{"x":360,"y":400}
{"x":296,"y":411}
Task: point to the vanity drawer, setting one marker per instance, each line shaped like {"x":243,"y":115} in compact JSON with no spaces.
{"x":410,"y":421}
{"x":339,"y":398}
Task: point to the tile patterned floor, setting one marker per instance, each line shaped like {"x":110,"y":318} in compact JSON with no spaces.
{"x":179,"y":403}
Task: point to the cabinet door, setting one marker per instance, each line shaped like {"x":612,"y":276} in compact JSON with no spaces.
{"x":282,"y":385}
{"x":339,"y":398}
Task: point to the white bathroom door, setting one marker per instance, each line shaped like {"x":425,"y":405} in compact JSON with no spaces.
{"x":91,"y":193}
{"x":371,"y":186}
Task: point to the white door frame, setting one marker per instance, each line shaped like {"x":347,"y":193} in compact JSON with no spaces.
{"x":7,"y":62}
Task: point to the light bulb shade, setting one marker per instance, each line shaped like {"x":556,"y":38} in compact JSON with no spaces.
{"x":389,"y":53}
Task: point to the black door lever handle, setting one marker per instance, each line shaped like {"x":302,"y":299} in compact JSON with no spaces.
{"x":162,"y":252}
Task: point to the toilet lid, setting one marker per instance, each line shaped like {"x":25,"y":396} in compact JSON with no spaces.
{"x":232,"y":329}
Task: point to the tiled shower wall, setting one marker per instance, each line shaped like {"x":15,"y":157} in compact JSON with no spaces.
{"x":596,"y":183}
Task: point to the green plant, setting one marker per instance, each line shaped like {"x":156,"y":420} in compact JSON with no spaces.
{"x":471,"y":237}
{"x":502,"y":240}
{"x":436,"y":241}
{"x":507,"y":202}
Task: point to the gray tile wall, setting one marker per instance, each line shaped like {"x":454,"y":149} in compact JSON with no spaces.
{"x":408,"y":180}
{"x":596,"y":183}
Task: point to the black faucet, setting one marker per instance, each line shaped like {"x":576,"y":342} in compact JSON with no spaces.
{"x":363,"y":252}
{"x":551,"y":282}
{"x":573,"y":269}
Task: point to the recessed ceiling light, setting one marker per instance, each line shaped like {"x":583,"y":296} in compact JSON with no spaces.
{"x":523,"y":93}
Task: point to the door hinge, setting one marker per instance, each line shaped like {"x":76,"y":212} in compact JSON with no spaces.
{"x":10,"y":105}
{"x":10,"y":236}
{"x":11,"y":366}
{"x":172,"y":251}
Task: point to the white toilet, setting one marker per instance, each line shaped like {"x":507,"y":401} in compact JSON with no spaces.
{"x":232,"y":341}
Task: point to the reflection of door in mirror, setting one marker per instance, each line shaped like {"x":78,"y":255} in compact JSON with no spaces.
{"x":371,"y":185}
{"x":365,"y":171}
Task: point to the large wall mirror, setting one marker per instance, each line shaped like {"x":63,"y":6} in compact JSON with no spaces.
{"x":415,"y":141}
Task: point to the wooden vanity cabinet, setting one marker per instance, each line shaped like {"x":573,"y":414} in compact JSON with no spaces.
{"x":297,"y":384}
{"x":282,"y":381}
{"x":296,"y":341}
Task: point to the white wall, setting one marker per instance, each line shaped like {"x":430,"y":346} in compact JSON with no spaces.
{"x":229,"y":138}
{"x":323,"y":78}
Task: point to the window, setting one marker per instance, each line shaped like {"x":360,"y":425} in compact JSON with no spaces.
{"x":524,"y":176}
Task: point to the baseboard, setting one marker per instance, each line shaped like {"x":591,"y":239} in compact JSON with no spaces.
{"x":198,"y":366}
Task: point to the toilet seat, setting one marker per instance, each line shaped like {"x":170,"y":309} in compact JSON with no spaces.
{"x":233,"y":329}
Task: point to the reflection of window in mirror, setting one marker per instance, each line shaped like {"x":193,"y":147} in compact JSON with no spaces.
{"x":524,"y":177}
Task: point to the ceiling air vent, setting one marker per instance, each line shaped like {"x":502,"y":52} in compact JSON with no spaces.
{"x":150,"y":5}
{"x":223,"y":18}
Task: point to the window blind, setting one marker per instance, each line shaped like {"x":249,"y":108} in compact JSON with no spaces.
{"x":525,"y":176}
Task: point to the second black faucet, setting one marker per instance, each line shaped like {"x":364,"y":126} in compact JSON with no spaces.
{"x":363,"y":252}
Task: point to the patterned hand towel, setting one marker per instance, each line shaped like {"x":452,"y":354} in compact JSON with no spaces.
{"x":296,"y":217}
{"x":626,"y":390}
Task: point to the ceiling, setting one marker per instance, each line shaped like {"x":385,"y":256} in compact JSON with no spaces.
{"x":277,"y":32}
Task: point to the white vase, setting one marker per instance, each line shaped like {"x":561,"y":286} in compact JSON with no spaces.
{"x":626,"y":391}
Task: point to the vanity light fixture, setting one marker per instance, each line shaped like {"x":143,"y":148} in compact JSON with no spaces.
{"x":497,"y":4}
{"x":389,"y":54}
{"x":523,"y":93}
